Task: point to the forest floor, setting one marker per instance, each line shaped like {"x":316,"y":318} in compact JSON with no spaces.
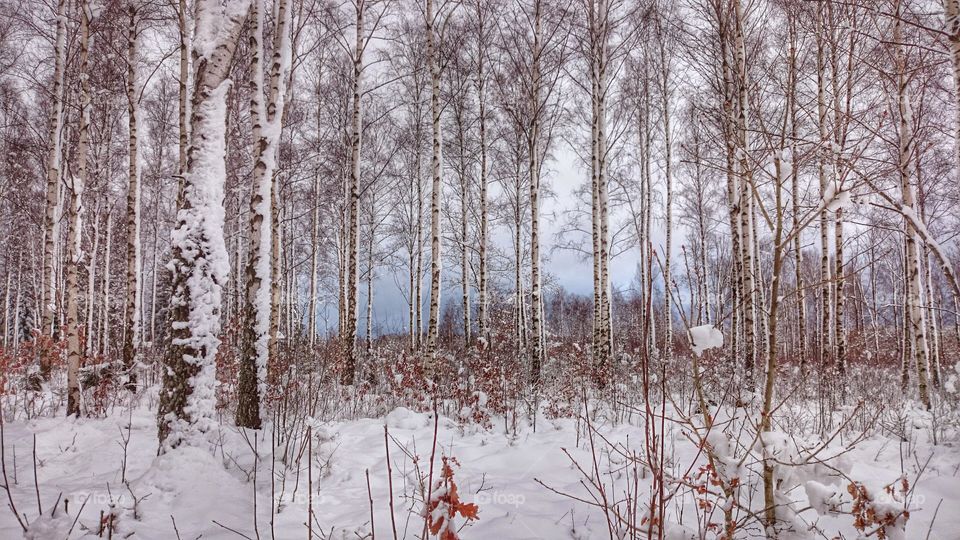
{"x":109,"y":466}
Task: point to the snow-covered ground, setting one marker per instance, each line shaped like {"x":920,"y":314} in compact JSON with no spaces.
{"x":220,"y":495}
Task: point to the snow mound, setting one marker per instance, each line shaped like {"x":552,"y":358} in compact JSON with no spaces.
{"x":404,"y":418}
{"x":822,"y":497}
{"x":705,"y":337}
{"x":192,"y":485}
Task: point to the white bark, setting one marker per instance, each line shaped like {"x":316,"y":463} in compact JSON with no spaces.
{"x":132,"y":326}
{"x":914,"y":286}
{"x":54,"y":137}
{"x":436,"y":194}
{"x":353,"y":211}
{"x":74,"y":251}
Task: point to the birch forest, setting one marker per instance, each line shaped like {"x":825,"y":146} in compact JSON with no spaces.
{"x":457,"y":269}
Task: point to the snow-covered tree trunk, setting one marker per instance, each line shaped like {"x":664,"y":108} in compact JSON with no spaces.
{"x":54,"y":138}
{"x":132,"y":335}
{"x":74,"y":209}
{"x":199,"y":263}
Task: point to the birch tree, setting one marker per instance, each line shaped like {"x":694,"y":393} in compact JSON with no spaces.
{"x":265,"y":119}
{"x":905,"y":138}
{"x":481,"y":22}
{"x":431,"y":18}
{"x":134,"y":298}
{"x":54,"y":137}
{"x":77,"y":181}
{"x":199,"y":264}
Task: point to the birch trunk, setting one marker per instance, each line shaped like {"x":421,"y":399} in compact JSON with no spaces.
{"x":256,"y":333}
{"x":314,"y":253}
{"x":464,"y":231}
{"x":533,"y":155}
{"x":132,"y":335}
{"x":933,"y":329}
{"x":825,"y":274}
{"x":6,"y":308}
{"x":766,"y":425}
{"x":16,"y":307}
{"x":746,"y":197}
{"x":105,"y":292}
{"x":54,"y":137}
{"x":370,"y":278}
{"x":915,"y":288}
{"x":418,"y":330}
{"x":187,"y":400}
{"x":436,"y":193}
{"x":668,"y":213}
{"x":74,"y":251}
{"x":795,"y":210}
{"x":598,"y":13}
{"x":518,"y":321}
{"x":951,"y":24}
{"x":482,"y":293}
{"x":733,"y":188}
{"x":839,"y":122}
{"x":183,"y":94}
{"x":89,"y":346}
{"x":353,"y":242}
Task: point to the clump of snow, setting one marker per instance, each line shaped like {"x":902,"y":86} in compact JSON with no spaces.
{"x":404,"y":418}
{"x":705,"y":337}
{"x":823,"y":498}
{"x":835,"y":197}
{"x":212,"y":20}
{"x":951,"y":384}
